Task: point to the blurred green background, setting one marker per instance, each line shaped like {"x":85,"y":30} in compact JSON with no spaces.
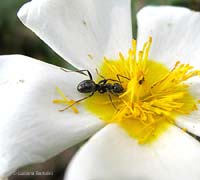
{"x":17,"y":39}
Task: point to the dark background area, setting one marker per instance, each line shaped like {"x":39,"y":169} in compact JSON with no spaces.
{"x":15,"y":38}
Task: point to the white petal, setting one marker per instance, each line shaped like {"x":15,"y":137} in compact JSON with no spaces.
{"x":31,"y":128}
{"x":191,"y":122}
{"x":194,"y":86}
{"x":175,"y":33}
{"x":112,"y":154}
{"x":77,"y":28}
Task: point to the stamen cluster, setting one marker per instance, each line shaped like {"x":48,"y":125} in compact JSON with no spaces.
{"x":154,"y":95}
{"x":151,"y":100}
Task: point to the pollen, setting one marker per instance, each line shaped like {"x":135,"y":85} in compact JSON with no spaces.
{"x":153,"y":96}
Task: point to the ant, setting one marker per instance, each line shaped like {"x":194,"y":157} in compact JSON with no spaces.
{"x":89,"y":86}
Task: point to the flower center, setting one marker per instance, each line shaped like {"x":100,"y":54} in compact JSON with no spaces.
{"x":153,"y":95}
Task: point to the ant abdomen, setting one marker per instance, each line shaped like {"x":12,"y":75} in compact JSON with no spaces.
{"x":86,"y":86}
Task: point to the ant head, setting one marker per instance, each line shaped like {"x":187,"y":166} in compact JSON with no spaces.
{"x":117,"y":88}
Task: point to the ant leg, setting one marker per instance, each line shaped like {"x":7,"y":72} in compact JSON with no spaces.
{"x":89,"y":74}
{"x":76,"y":102}
{"x":84,"y":70}
{"x":104,"y":81}
{"x":100,"y":74}
{"x":104,"y":77}
{"x":111,"y":100}
{"x":118,"y":77}
{"x":117,"y":95}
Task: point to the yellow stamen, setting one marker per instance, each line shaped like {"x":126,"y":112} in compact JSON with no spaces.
{"x":153,"y":96}
{"x":64,"y":100}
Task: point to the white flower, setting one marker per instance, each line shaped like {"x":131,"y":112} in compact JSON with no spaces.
{"x":83,"y":32}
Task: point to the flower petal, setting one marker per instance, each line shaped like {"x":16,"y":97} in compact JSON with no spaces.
{"x":82,"y":32}
{"x":112,"y":154}
{"x":191,"y":122}
{"x":31,"y":128}
{"x":175,"y":33}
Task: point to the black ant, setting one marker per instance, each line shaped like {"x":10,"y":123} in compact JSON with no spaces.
{"x":89,"y":86}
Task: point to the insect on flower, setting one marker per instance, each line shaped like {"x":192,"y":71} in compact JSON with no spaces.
{"x":89,"y":86}
{"x":144,"y":137}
